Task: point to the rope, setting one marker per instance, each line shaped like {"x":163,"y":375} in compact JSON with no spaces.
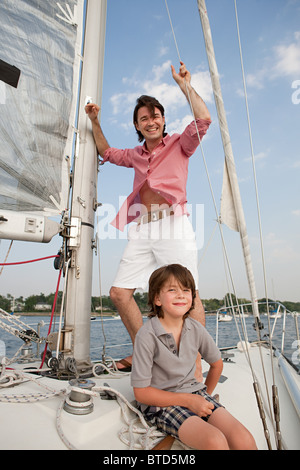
{"x":275,"y":404}
{"x":218,"y":218}
{"x":4,"y":316}
{"x":136,"y":427}
{"x":29,"y":261}
{"x":62,"y":308}
{"x":52,"y":315}
{"x":8,"y":251}
{"x":225,"y":254}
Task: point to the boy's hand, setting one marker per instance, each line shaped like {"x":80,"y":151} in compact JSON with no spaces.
{"x":200,"y":405}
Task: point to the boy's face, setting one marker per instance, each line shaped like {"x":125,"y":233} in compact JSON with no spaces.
{"x":174,"y":299}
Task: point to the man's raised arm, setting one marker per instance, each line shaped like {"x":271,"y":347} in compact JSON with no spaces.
{"x":183,"y":79}
{"x":92,"y":111}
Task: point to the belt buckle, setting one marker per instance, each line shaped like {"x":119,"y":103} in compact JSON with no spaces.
{"x":155,"y":216}
{"x":144,"y":219}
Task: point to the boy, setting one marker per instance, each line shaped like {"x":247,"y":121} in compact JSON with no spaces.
{"x":163,"y":369}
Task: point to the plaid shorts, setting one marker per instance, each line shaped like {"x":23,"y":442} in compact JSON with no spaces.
{"x":170,"y":419}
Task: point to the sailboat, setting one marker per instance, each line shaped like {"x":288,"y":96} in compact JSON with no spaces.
{"x":71,"y":402}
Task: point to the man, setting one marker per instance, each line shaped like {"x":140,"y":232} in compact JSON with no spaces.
{"x":163,"y":233}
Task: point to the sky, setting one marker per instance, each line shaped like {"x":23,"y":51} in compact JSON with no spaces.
{"x":140,"y":49}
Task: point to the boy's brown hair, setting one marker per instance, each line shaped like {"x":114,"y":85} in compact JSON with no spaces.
{"x":159,"y":278}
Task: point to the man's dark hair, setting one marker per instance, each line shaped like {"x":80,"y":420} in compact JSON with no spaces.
{"x":151,"y":103}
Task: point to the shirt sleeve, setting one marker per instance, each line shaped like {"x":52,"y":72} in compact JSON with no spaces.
{"x":189,"y":139}
{"x":142,"y":359}
{"x":118,"y":157}
{"x":208,"y":348}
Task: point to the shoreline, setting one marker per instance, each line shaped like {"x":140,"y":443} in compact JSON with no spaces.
{"x":93,"y":314}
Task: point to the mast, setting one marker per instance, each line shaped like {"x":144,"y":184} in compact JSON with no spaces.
{"x":230,"y":170}
{"x":76,"y":338}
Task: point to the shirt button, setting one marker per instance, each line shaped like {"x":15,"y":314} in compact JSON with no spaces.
{"x":174,"y":352}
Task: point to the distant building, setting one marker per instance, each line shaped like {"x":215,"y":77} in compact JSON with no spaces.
{"x":42,"y":306}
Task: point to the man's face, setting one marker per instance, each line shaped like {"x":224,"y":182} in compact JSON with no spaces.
{"x":151,"y":127}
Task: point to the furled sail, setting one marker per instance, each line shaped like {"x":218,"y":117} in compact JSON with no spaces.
{"x":231,"y":206}
{"x":39,"y":66}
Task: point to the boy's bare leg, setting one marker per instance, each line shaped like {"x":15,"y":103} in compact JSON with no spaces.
{"x":199,"y":434}
{"x":198,"y":311}
{"x":237,"y":436}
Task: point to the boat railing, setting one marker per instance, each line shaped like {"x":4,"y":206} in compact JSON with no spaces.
{"x":271,"y":310}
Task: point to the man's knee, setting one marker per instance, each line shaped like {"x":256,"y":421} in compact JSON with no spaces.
{"x":119,"y":295}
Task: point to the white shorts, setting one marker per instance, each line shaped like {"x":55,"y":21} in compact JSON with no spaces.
{"x":155,"y":244}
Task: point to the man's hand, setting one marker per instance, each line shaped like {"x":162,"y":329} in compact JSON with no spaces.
{"x":92,"y":110}
{"x":183,"y":76}
{"x":183,"y":79}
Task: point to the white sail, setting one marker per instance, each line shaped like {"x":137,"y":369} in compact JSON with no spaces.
{"x":38,"y":92}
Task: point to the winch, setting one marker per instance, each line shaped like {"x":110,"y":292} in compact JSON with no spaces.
{"x":79,"y":402}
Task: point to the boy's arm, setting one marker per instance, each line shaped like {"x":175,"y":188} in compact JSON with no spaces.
{"x":154,"y":397}
{"x":213,"y":375}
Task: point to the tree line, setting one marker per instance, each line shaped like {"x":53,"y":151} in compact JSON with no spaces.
{"x":31,"y":303}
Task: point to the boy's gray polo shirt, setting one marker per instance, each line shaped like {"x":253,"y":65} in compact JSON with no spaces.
{"x":158,"y":363}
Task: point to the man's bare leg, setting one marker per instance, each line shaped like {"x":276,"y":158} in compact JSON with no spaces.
{"x":198,"y":314}
{"x":198,"y":311}
{"x":129,"y":312}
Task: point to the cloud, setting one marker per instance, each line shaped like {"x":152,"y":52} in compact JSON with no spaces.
{"x":288,"y":58}
{"x":256,"y":80}
{"x":259,"y":157}
{"x":283,"y":62}
{"x":163,"y":51}
{"x":179,"y":125}
{"x":158,"y":84}
{"x":122,"y":102}
{"x":202,"y":83}
{"x":280,"y":250}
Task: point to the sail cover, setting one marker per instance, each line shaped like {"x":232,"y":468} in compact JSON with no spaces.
{"x":39,"y":69}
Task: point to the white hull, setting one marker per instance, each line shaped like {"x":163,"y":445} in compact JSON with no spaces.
{"x":225,"y":318}
{"x":34,"y":425}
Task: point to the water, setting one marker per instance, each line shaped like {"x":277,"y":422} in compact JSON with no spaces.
{"x":111,"y":334}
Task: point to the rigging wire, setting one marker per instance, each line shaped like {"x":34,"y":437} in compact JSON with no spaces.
{"x":275,"y":404}
{"x":7,"y":254}
{"x":52,"y":315}
{"x":245,"y":345}
{"x":225,"y":253}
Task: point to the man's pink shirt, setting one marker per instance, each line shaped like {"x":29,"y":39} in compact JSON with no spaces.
{"x":165,"y":169}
